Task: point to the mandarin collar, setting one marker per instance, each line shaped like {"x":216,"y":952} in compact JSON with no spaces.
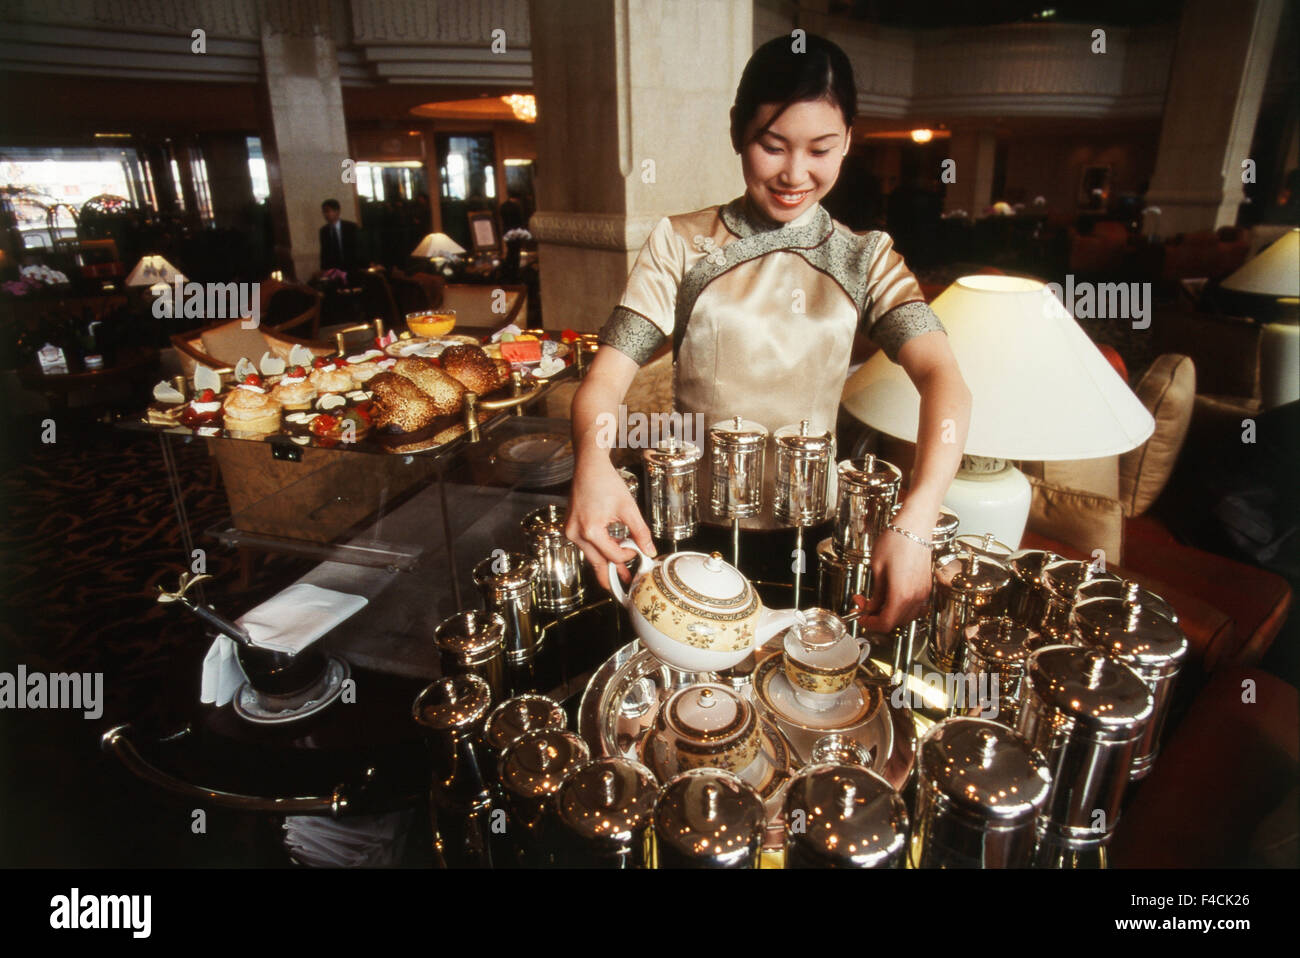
{"x":809,"y":229}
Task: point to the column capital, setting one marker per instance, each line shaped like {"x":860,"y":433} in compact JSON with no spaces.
{"x":610,"y":231}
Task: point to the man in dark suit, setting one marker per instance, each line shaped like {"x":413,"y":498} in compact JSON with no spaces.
{"x":340,"y":241}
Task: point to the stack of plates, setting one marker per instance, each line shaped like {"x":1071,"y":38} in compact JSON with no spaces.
{"x":534,"y":460}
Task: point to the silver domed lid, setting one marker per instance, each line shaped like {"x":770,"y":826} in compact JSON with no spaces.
{"x":710,"y":816}
{"x":523,"y":713}
{"x":608,"y":800}
{"x":537,"y":763}
{"x":845,"y":815}
{"x":984,"y":768}
{"x":453,"y":703}
{"x":1089,"y":687}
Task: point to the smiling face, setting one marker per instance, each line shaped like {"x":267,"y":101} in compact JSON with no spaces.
{"x":795,"y":161}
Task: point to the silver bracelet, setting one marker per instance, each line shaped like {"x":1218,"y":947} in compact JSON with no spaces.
{"x":909,"y":535}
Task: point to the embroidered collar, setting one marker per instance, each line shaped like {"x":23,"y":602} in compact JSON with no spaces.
{"x":807,"y":231}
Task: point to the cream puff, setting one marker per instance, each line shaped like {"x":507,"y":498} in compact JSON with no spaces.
{"x":368,"y":365}
{"x":331,"y":376}
{"x":294,"y":390}
{"x":203,"y":410}
{"x":250,"y":410}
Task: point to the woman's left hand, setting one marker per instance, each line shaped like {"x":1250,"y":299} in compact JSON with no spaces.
{"x":900,"y":582}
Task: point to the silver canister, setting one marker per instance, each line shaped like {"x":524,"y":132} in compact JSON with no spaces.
{"x":451,"y":712}
{"x":708,"y":818}
{"x":604,"y":810}
{"x":630,"y":480}
{"x":867,"y":492}
{"x":672,"y":489}
{"x":557,"y":584}
{"x":967,"y":588}
{"x":911,"y":637}
{"x":531,"y":770}
{"x":1086,"y":712}
{"x":1113,"y":587}
{"x":1061,"y":580}
{"x":505,"y":580}
{"x":803,"y":465}
{"x":1028,"y":590}
{"x":985,"y":546}
{"x":839,"y":579}
{"x":737,"y":455}
{"x":843,"y":816}
{"x":515,"y":717}
{"x":1147,"y":642}
{"x":980,"y":789}
{"x":474,"y":642}
{"x":997,"y":649}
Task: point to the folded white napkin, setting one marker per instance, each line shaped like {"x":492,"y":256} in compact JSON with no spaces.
{"x":298,"y":616}
{"x":371,"y":841}
{"x":288,"y":622}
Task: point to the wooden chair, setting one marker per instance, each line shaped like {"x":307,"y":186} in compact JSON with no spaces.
{"x":287,"y":306}
{"x":473,"y":304}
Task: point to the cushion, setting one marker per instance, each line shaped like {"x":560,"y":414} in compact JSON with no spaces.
{"x":1082,"y":520}
{"x":230,"y":342}
{"x":1097,"y":476}
{"x":1168,"y":390}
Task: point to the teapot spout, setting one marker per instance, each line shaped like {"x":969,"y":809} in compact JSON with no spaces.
{"x":773,"y":622}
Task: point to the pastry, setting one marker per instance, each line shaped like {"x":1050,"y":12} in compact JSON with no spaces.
{"x":351,"y":426}
{"x":203,"y":410}
{"x":447,"y":393}
{"x":250,"y":410}
{"x":294,"y":390}
{"x":331,"y":376}
{"x":367,"y":365}
{"x":472,"y":367}
{"x":405,"y":418}
{"x":163,"y":414}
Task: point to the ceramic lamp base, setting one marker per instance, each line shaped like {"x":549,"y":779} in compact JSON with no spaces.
{"x":995,"y":501}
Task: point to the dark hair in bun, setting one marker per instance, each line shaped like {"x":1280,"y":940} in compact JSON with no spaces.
{"x":777,"y":74}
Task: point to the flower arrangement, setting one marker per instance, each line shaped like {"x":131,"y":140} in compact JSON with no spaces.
{"x":34,"y":278}
{"x":518,"y":233}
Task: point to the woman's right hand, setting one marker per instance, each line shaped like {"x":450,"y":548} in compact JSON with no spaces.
{"x":600,"y":497}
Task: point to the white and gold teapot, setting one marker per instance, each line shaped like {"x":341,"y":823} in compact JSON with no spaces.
{"x":696,"y":612}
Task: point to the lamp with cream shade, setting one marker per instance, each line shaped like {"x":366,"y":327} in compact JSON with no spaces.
{"x":438,"y":246}
{"x":152,"y":270}
{"x":1275,"y":273}
{"x":1041,"y":390}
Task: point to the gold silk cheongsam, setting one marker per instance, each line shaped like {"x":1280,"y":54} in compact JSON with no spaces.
{"x":762,"y":318}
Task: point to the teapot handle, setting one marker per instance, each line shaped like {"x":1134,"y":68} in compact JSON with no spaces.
{"x":643,"y":566}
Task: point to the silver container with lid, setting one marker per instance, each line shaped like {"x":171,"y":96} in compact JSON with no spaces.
{"x":557,"y":583}
{"x":519,"y":715}
{"x":1144,"y":640}
{"x":980,"y":789}
{"x":985,"y":546}
{"x":1113,"y":587}
{"x":604,"y":809}
{"x":839,"y":579}
{"x":843,"y":816}
{"x":1028,"y":590}
{"x":1061,"y":580}
{"x":530,"y":771}
{"x":737,"y":454}
{"x":911,"y":637}
{"x":967,"y":587}
{"x":630,"y":480}
{"x":803,"y":465}
{"x":505,"y":580}
{"x":997,"y":649}
{"x":451,"y":711}
{"x":1086,"y":712}
{"x":867,"y":493}
{"x":672,"y":489}
{"x":474,"y":642}
{"x":708,"y":818}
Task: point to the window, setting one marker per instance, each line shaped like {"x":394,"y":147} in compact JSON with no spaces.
{"x":257,"y":171}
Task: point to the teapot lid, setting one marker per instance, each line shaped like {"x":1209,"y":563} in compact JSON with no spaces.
{"x":452,"y":703}
{"x":970,"y":572}
{"x":468,"y":635}
{"x":1064,"y":576}
{"x":608,"y":800}
{"x":696,"y":579}
{"x":708,"y":713}
{"x":1128,"y":630}
{"x":523,"y":713}
{"x":1116,"y":588}
{"x":708,"y":814}
{"x":850,"y":815}
{"x":985,"y":768}
{"x":738,"y":432}
{"x":1089,"y":687}
{"x":985,"y":545}
{"x":537,"y":763}
{"x":1000,"y":639}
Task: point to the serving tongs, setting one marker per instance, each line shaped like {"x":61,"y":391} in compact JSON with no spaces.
{"x":206,"y":613}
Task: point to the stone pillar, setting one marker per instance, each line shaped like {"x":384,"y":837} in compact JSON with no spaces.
{"x":308,"y":144}
{"x":973,"y":152}
{"x":1220,"y":65}
{"x":632,"y":124}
